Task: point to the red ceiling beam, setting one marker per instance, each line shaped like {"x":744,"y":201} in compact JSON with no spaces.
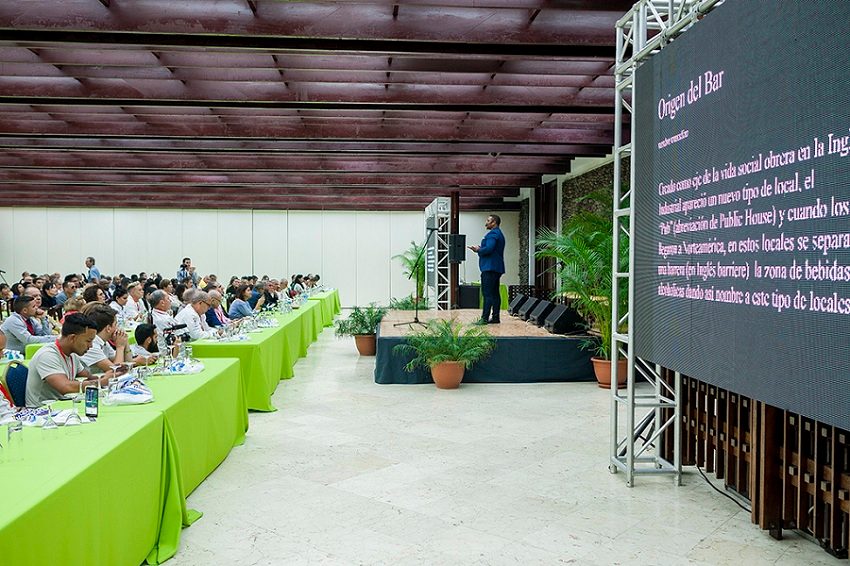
{"x":254,"y":179}
{"x":305,"y":76}
{"x":306,"y":25}
{"x":167,"y":146}
{"x":46,"y":90}
{"x":214,"y":204}
{"x":121,"y":191}
{"x":567,"y":136}
{"x":478,"y":166}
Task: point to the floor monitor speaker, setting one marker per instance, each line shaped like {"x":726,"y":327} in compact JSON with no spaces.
{"x":563,"y":319}
{"x":526,"y":308}
{"x":513,"y":307}
{"x":540,"y":312}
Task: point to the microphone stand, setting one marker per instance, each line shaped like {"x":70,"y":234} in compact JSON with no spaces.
{"x":415,"y":271}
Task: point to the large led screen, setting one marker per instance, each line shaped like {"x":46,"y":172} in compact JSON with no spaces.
{"x":742,"y":204}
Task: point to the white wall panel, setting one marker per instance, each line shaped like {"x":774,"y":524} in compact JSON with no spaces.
{"x":29,"y":240}
{"x":304,"y":243}
{"x":199,"y":229}
{"x":404,"y":228}
{"x":270,"y":243}
{"x":135,"y":242}
{"x":234,"y":245}
{"x":96,"y":238}
{"x":373,"y":258}
{"x":7,"y":255}
{"x":63,"y":241}
{"x":165,"y":249}
{"x":339,"y":254}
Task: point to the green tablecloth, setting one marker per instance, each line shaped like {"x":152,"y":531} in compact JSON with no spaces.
{"x":297,"y":337}
{"x":262,"y":360}
{"x":102,"y":493}
{"x":313,"y":311}
{"x":205,"y":414}
{"x":330,"y":305}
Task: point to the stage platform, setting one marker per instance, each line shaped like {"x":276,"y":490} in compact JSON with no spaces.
{"x":524,"y":353}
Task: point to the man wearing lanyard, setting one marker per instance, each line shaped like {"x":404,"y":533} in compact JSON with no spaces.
{"x":53,"y":369}
{"x":20,"y":328}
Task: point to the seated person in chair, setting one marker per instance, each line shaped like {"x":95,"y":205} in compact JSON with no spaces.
{"x":109,"y":346}
{"x":198,"y":304}
{"x":53,"y":369}
{"x":22,"y":328}
{"x":145,"y":348}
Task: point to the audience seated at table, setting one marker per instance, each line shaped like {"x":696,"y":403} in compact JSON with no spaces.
{"x":94,"y":294}
{"x":69,"y":289}
{"x":72,"y":305}
{"x":215,"y":314}
{"x":193,"y":315}
{"x":162,"y":318}
{"x":53,"y":369}
{"x":240,"y":308}
{"x":110,"y":345}
{"x":145,"y":347}
{"x":23,"y":327}
{"x":297,"y":286}
{"x":120,"y":298}
{"x":135,"y":307}
{"x":48,"y":295}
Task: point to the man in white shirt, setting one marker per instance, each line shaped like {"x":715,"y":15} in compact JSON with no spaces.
{"x":135,"y":307}
{"x":161,"y":317}
{"x":102,"y":354}
{"x":53,"y":369}
{"x":193,"y":316}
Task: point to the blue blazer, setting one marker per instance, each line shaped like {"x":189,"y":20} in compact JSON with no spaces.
{"x":491,"y":254}
{"x":212,"y":319}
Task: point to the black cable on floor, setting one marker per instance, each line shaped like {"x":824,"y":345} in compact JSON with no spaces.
{"x":723,"y":493}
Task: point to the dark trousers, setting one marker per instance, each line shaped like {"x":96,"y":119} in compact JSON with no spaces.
{"x":490,"y":292}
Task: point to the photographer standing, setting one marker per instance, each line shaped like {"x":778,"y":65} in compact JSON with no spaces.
{"x":187,"y":271}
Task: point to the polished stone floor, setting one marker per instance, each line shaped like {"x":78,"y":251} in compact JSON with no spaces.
{"x":349,"y":472}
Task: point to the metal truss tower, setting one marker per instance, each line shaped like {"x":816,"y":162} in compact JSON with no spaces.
{"x":650,"y":404}
{"x":438,"y":214}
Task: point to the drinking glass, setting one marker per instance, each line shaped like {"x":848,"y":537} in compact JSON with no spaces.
{"x":14,"y":440}
{"x":49,"y":423}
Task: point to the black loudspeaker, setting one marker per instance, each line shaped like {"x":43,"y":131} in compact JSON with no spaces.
{"x":526,"y":308}
{"x":457,"y":248}
{"x":468,"y":297}
{"x":519,"y":300}
{"x":540,"y":312}
{"x":563,"y":319}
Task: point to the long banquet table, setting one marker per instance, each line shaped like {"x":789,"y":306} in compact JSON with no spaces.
{"x":114,"y":492}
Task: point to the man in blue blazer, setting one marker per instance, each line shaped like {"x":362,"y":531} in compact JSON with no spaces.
{"x":491,"y":262}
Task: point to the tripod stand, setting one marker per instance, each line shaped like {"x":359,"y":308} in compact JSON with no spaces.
{"x":415,"y":271}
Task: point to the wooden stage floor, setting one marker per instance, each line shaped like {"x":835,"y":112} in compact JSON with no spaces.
{"x":510,"y":327}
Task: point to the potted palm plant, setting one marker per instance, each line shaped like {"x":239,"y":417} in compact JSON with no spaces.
{"x":583,"y":252}
{"x":448,"y":348}
{"x":408,"y":259}
{"x":362,"y":323}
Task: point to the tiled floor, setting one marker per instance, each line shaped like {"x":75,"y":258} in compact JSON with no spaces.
{"x":349,"y":472}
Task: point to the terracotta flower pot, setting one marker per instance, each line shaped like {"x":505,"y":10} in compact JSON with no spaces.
{"x":365,"y":344}
{"x":602,"y":369}
{"x":447,"y":375}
